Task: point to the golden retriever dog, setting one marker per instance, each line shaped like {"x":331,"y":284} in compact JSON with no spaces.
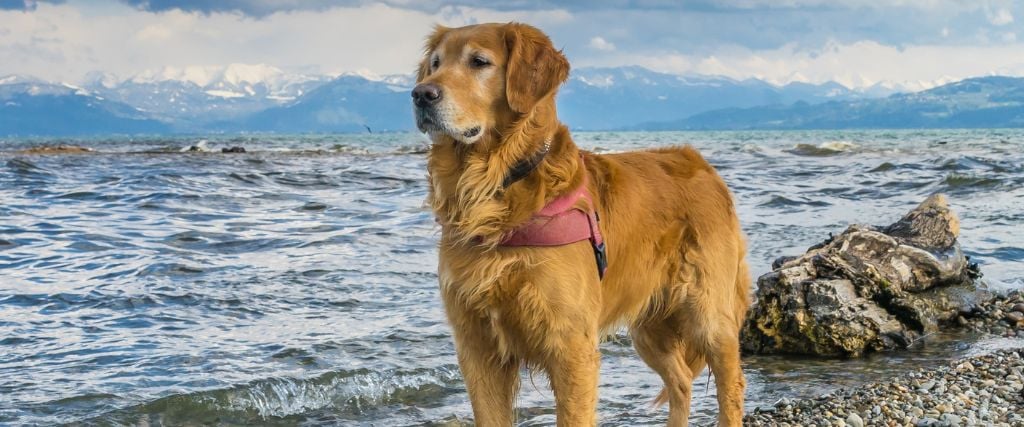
{"x":676,"y":273}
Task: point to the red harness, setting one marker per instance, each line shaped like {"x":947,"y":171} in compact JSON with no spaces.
{"x":561,"y":222}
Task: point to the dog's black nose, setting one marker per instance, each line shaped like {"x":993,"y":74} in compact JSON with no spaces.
{"x":426,"y":94}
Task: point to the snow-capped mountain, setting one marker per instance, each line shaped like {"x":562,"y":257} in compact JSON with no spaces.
{"x":30,"y":106}
{"x":260,"y":98}
{"x":592,"y":99}
{"x":235,"y":80}
{"x":199,"y":95}
{"x":349,"y":103}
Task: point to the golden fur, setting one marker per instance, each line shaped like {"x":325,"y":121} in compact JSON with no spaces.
{"x":676,"y":278}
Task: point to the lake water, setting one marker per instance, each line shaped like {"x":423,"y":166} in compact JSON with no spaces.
{"x":295,"y":283}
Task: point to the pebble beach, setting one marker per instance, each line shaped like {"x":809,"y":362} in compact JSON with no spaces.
{"x":978,"y":390}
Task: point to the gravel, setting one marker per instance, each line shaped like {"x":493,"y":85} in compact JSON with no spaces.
{"x":984,"y":390}
{"x":1002,"y":316}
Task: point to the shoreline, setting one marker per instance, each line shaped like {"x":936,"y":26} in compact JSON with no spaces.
{"x":981,"y":389}
{"x":985,"y":389}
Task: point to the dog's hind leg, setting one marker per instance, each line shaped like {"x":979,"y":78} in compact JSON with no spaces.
{"x":720,"y":337}
{"x":724,"y":359}
{"x":660,"y":345}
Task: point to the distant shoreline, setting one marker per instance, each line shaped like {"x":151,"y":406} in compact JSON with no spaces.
{"x":386,"y":133}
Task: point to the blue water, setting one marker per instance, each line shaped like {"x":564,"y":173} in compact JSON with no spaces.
{"x":295,"y":283}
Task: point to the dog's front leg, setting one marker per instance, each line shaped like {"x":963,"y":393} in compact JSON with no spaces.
{"x":574,"y":375}
{"x":492,"y":382}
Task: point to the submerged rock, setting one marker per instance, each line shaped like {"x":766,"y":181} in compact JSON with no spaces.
{"x":56,"y":149}
{"x":199,"y":147}
{"x":867,"y":289}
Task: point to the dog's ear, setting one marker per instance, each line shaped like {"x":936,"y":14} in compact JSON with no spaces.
{"x":423,"y":70}
{"x":534,"y":68}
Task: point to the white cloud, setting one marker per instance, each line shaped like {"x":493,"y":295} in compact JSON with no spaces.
{"x":853,"y":4}
{"x":599,"y":43}
{"x":856,"y":65}
{"x":1001,"y":17}
{"x":818,"y":43}
{"x":66,"y":41}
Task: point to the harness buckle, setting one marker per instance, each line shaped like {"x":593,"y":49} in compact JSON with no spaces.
{"x":601,"y":256}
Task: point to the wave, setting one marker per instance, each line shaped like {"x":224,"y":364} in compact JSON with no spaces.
{"x":957,"y":181}
{"x":884,"y":167}
{"x":25,"y":167}
{"x":967,"y":163}
{"x":781,"y":201}
{"x":829,"y":148}
{"x":203,"y":148}
{"x":259,"y":401}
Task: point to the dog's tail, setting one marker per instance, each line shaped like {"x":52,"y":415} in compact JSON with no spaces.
{"x":661,"y":400}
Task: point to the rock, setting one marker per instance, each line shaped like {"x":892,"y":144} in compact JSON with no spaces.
{"x":199,"y":147}
{"x":951,"y":420}
{"x":867,"y":289}
{"x":1014,"y":317}
{"x":56,"y":149}
{"x":235,"y":149}
{"x":854,"y":420}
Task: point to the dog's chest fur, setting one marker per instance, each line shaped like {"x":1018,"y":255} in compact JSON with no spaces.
{"x":520,"y":294}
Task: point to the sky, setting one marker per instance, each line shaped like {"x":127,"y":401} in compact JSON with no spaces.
{"x":858,"y":43}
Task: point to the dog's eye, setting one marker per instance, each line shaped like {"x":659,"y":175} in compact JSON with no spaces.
{"x":434,"y":63}
{"x":479,"y":62}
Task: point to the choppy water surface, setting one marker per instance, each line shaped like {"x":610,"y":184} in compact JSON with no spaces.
{"x":295,"y":284}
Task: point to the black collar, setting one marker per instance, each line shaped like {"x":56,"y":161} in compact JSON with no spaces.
{"x":523,"y":167}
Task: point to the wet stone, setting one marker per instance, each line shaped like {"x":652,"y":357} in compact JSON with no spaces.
{"x":867,"y":289}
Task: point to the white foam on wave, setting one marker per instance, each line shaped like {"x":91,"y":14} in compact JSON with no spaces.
{"x":1000,"y":286}
{"x":838,"y":145}
{"x":281,"y":397}
{"x":199,"y":146}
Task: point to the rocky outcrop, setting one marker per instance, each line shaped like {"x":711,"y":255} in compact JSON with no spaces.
{"x":867,"y":289}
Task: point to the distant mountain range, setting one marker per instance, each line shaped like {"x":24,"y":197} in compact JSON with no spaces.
{"x":192,"y":98}
{"x":619,"y":98}
{"x":970,"y":103}
{"x":349,"y":103}
{"x":259,"y":98}
{"x":31,"y":107}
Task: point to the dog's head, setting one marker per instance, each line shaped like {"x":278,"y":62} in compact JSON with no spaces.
{"x":478,"y":79}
